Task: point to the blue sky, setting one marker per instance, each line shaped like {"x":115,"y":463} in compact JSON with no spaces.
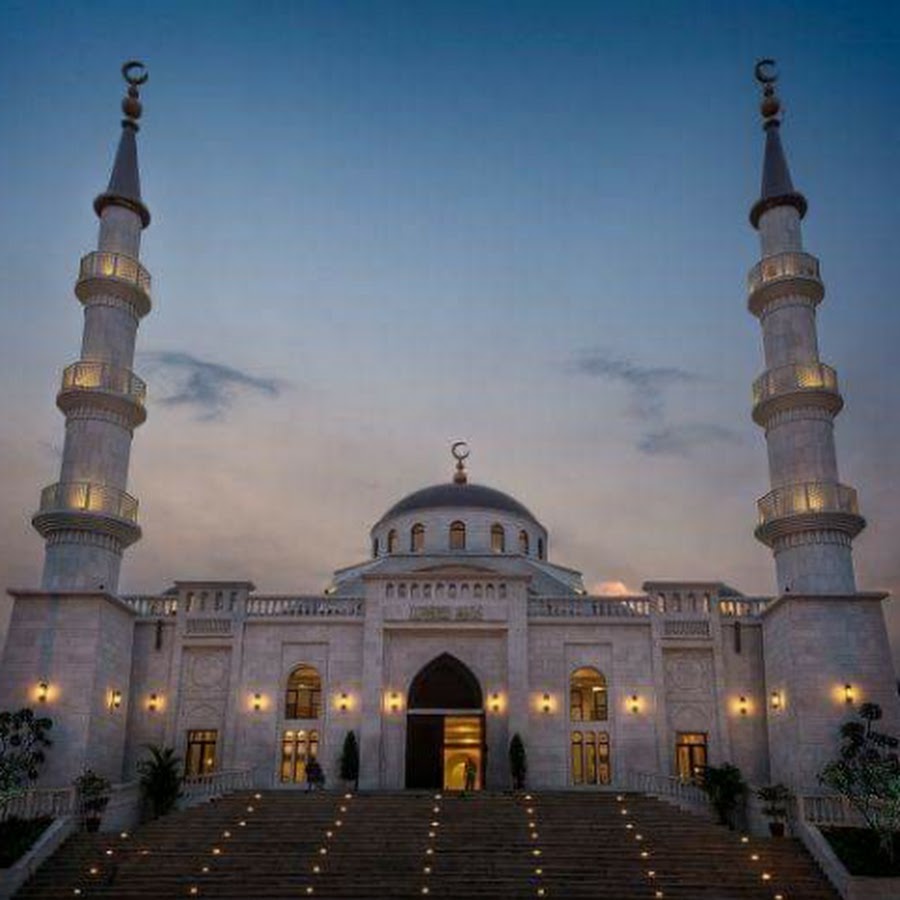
{"x":378,"y":227}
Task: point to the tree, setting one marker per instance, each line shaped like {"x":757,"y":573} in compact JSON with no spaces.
{"x":867,"y":775}
{"x":160,"y":779}
{"x":518,"y":764}
{"x":93,"y":793}
{"x":725,"y":788}
{"x":23,"y":738}
{"x":350,"y":760}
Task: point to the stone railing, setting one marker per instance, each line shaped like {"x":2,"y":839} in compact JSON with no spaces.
{"x":667,"y":787}
{"x":200,"y":788}
{"x":87,"y":375}
{"x":812,"y":376}
{"x":588,"y":607}
{"x":740,"y":607}
{"x":34,"y":802}
{"x":103,"y":264}
{"x":153,"y":606}
{"x":686,"y":628}
{"x":807,"y":497}
{"x":826,"y":811}
{"x":305,"y":606}
{"x":83,"y":496}
{"x":208,"y":625}
{"x":780,"y":266}
{"x":445,"y":590}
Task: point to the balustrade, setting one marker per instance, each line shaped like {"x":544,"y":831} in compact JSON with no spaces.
{"x":88,"y":375}
{"x":153,"y":606}
{"x":807,"y":497}
{"x":588,"y":607}
{"x":781,"y":266}
{"x":84,"y":496}
{"x":104,"y":264}
{"x":812,"y":376}
{"x":305,"y":606}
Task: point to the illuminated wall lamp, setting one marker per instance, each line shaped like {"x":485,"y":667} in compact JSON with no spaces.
{"x":43,"y":691}
{"x":848,"y":694}
{"x":342,"y":705}
{"x":115,"y":700}
{"x":635,"y":704}
{"x":545,"y":703}
{"x":257,"y":702}
{"x":394,"y":702}
{"x":742,"y":706}
{"x":153,"y":703}
{"x":776,"y":700}
{"x":495,"y":703}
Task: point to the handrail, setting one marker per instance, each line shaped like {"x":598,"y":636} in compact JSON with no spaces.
{"x":89,"y":497}
{"x":588,"y":607}
{"x":199,"y":788}
{"x":153,"y":606}
{"x":683,"y":792}
{"x":33,"y":803}
{"x":827,"y":810}
{"x":101,"y":376}
{"x":305,"y":606}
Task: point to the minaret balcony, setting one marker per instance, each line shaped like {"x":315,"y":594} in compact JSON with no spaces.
{"x":811,"y":383}
{"x":102,"y":272}
{"x":85,"y":506}
{"x":783,"y":274}
{"x":808,"y":506}
{"x":99,"y":383}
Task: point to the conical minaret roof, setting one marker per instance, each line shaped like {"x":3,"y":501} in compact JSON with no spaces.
{"x":777,"y":188}
{"x":124,"y":188}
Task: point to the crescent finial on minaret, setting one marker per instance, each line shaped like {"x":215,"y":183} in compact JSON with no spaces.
{"x":136,"y":74}
{"x":766,"y":74}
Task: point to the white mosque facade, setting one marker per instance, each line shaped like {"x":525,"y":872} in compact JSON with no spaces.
{"x":459,"y":631}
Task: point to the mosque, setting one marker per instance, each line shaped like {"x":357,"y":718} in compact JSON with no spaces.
{"x":459,"y":631}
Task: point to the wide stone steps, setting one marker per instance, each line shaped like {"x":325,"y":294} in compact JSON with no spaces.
{"x":270,"y":845}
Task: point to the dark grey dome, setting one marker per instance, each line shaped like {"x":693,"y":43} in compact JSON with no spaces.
{"x":457,"y":495}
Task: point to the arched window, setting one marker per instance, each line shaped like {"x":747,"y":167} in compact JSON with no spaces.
{"x":297,"y":748}
{"x":588,"y":699}
{"x":375,"y":547}
{"x":417,"y":538}
{"x":392,"y":541}
{"x":303,"y":698}
{"x":458,"y":536}
{"x":523,"y":542}
{"x":498,"y":539}
{"x":540,"y":548}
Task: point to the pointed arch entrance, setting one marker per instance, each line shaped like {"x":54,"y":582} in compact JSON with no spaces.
{"x":444,"y":726}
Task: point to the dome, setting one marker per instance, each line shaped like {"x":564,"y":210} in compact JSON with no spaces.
{"x":456,"y":495}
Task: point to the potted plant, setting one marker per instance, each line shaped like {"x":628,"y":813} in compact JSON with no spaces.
{"x":350,"y":760}
{"x":160,"y":780}
{"x":518,"y":765}
{"x":725,"y":788}
{"x":92,"y":792}
{"x":776,"y":798}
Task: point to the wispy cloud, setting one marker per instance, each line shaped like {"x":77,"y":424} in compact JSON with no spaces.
{"x":681,"y":440}
{"x":209,"y":388}
{"x":647,"y":386}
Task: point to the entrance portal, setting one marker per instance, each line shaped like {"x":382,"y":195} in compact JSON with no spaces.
{"x":444,"y":726}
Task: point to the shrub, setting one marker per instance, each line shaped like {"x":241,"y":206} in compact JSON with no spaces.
{"x":160,"y":780}
{"x":92,"y":794}
{"x":350,"y":760}
{"x":518,"y":763}
{"x":725,"y":788}
{"x":23,"y":738}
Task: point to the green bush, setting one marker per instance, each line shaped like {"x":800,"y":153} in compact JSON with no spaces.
{"x":350,"y":760}
{"x":160,"y":780}
{"x":725,"y":788}
{"x":518,"y":763}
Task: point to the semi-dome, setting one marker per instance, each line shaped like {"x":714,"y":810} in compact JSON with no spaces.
{"x":459,"y":495}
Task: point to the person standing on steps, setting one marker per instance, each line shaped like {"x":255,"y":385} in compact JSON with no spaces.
{"x":315,"y":777}
{"x":471,"y":772}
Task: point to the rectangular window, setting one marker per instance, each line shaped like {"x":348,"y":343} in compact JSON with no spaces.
{"x":296,"y":748}
{"x":200,"y":757}
{"x":690,"y":755}
{"x":303,"y":702}
{"x":590,"y":757}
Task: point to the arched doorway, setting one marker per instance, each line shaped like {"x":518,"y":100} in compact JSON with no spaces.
{"x":444,"y":726}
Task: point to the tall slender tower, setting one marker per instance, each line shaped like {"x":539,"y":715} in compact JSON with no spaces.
{"x":87,"y":518}
{"x":826,"y":646}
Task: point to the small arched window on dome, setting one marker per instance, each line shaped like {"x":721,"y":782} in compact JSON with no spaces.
{"x":392,"y":541}
{"x":523,"y":542}
{"x":540,"y":548}
{"x":417,"y":538}
{"x":457,"y":535}
{"x":498,"y":538}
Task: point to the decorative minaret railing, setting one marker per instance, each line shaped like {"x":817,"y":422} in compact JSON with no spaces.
{"x":808,"y":518}
{"x":87,"y":518}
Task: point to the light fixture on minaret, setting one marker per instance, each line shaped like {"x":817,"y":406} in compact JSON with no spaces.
{"x":809,"y":517}
{"x":87,"y":519}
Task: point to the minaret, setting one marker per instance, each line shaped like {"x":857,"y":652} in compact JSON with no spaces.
{"x":808,"y":518}
{"x":825,"y":643}
{"x":87,"y":518}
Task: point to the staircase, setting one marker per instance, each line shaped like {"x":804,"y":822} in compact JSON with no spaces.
{"x":288,"y":845}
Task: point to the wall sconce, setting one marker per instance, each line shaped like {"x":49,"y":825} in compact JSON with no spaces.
{"x":343,"y":702}
{"x":153,"y":703}
{"x":545,"y":703}
{"x":257,"y":702}
{"x":115,"y":700}
{"x":776,"y":700}
{"x":43,"y":691}
{"x":848,"y":694}
{"x":635,"y":704}
{"x":393,"y":702}
{"x":495,"y":703}
{"x":742,"y":706}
